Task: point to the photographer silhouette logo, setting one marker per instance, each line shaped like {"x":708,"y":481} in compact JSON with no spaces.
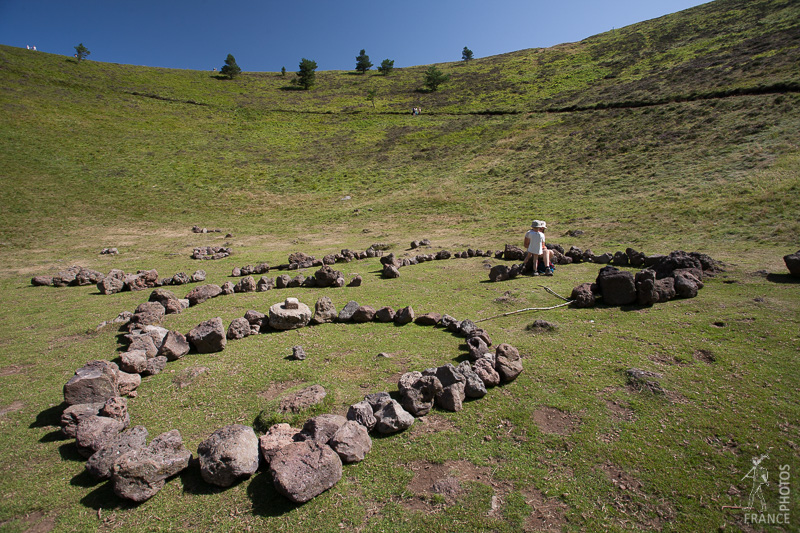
{"x":756,"y":510}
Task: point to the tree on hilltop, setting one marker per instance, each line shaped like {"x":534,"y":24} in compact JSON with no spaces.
{"x":466,"y":54}
{"x":306,"y":75}
{"x":81,"y":52}
{"x":435,"y":77}
{"x":362,"y":62}
{"x":231,"y":69}
{"x":386,"y":66}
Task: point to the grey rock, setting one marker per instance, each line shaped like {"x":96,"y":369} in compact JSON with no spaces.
{"x":508,"y":362}
{"x":346,"y":314}
{"x":72,"y":415}
{"x":95,"y":432}
{"x":202,"y":293}
{"x":391,"y":418}
{"x":351,"y":442}
{"x":175,"y":346}
{"x":141,"y":473}
{"x":324,"y":311}
{"x":229,"y":454}
{"x":385,"y":314}
{"x":133,"y":361}
{"x":94,"y":382}
{"x":303,"y":470}
{"x":238,"y":329}
{"x":322,"y":427}
{"x":208,"y":336}
{"x":362,"y":413}
{"x":101,"y":464}
{"x":404,"y":316}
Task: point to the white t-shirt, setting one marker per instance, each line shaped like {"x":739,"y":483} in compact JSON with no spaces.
{"x":536,"y":245}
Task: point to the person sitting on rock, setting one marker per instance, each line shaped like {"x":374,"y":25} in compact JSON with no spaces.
{"x":534,"y":245}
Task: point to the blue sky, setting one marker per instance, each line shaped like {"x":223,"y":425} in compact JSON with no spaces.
{"x":266,"y":35}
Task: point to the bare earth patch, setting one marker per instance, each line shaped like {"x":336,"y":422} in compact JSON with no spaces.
{"x":13,"y":369}
{"x":430,"y":424}
{"x":187,"y":376}
{"x":630,"y":499}
{"x":706,"y":356}
{"x":620,"y":411}
{"x":276,"y":389}
{"x":548,"y":514}
{"x":15,"y":406}
{"x":36,"y":522}
{"x":435,"y":484}
{"x":552,"y":420}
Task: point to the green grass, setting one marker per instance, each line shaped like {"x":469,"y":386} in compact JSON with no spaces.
{"x":676,"y":133}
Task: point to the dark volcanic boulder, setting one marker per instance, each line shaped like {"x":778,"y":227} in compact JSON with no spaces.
{"x":363,"y":314}
{"x":499,"y":273}
{"x":95,"y":382}
{"x":665,"y":289}
{"x":508,"y":362}
{"x":141,"y":473}
{"x":230,"y":453}
{"x":303,"y":470}
{"x":208,"y":336}
{"x":616,"y":286}
{"x":324,"y":311}
{"x":679,"y":260}
{"x":583,"y":296}
{"x":793,"y":263}
{"x":202,"y":293}
{"x":404,"y":316}
{"x":327,"y":276}
{"x":646,"y":294}
{"x":384,"y":314}
{"x":101,"y":464}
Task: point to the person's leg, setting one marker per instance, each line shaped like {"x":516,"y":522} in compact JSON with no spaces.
{"x":535,"y":264}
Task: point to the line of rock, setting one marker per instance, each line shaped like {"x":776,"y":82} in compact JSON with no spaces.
{"x":116,"y":280}
{"x":303,"y":462}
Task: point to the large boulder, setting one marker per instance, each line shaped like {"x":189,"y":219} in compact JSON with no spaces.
{"x":418,"y":393}
{"x":162,"y":296}
{"x":793,"y":263}
{"x":239,"y":329}
{"x":391,"y":418}
{"x":303,"y":470}
{"x":508,"y":362}
{"x":202,"y":293}
{"x":101,"y":464}
{"x":404,"y":316}
{"x":230,"y":453}
{"x":133,"y":361}
{"x":617,"y":286}
{"x":499,"y":273}
{"x":327,"y":276}
{"x":208,"y":336}
{"x":322,"y":427}
{"x":175,"y":346}
{"x":290,"y":314}
{"x":665,"y":289}
{"x":385,"y":314}
{"x":473,"y":384}
{"x":246,"y":284}
{"x":95,"y":432}
{"x":110,"y":285}
{"x":347,"y":312}
{"x":484,"y":368}
{"x":73,"y":414}
{"x":141,"y":473}
{"x":646,"y":288}
{"x":275,"y":438}
{"x":363,"y":314}
{"x":96,"y":381}
{"x":362,"y":413}
{"x":351,"y":441}
{"x":324,"y":311}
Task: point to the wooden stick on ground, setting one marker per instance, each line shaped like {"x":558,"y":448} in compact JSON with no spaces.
{"x":548,"y":289}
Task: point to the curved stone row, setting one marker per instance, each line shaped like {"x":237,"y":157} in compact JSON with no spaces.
{"x":677,"y":275}
{"x":298,"y":260}
{"x":211,"y":252}
{"x":304,"y":462}
{"x":116,"y":280}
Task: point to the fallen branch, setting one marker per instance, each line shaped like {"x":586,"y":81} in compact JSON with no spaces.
{"x":524,"y":310}
{"x":551,"y":291}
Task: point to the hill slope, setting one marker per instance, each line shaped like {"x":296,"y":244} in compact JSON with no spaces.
{"x":154,"y":144}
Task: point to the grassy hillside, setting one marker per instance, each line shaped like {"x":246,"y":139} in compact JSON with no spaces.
{"x":675,"y":133}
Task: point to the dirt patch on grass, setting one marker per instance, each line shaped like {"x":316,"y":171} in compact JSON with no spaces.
{"x":187,"y":376}
{"x":36,"y":522}
{"x":620,"y":412}
{"x":276,"y":389}
{"x":548,"y":514}
{"x":630,"y":499}
{"x":436,"y":485}
{"x":13,"y":369}
{"x":705,"y":356}
{"x":556,"y":421}
{"x":430,"y":424}
{"x":15,"y":406}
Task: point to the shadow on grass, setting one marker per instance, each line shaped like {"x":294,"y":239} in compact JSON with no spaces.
{"x":783,"y":278}
{"x":49,"y":417}
{"x":103,"y":497}
{"x":267,"y":501}
{"x":69,"y":452}
{"x":84,"y":479}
